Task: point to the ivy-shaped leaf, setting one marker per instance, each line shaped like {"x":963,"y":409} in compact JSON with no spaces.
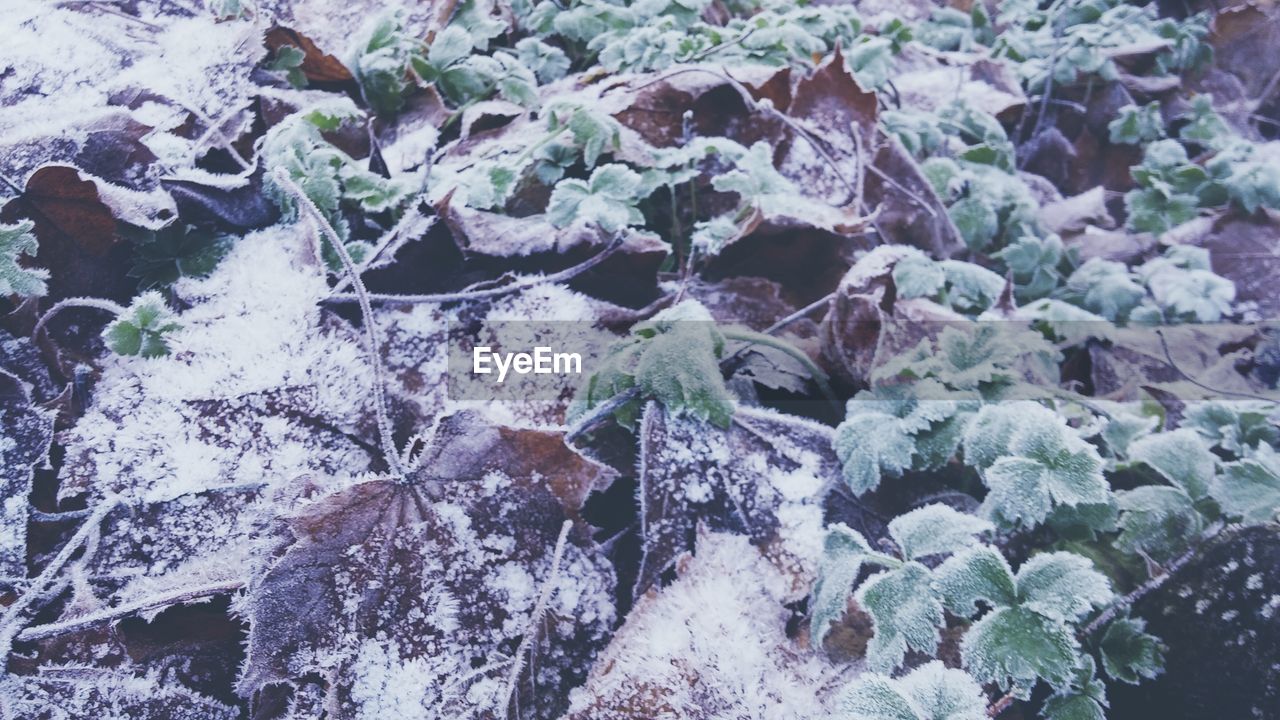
{"x":142,"y":327}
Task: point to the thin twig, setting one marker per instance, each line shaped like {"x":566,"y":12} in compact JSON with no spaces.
{"x":1168,"y":356}
{"x":177,"y":597}
{"x":77,"y":302}
{"x":11,"y":621}
{"x":821,"y":302}
{"x":370,"y":328}
{"x":531,"y":631}
{"x":473,"y":295}
{"x":599,"y":413}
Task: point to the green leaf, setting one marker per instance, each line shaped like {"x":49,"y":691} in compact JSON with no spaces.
{"x":935,"y":529}
{"x":16,"y":241}
{"x":930,"y":692}
{"x":177,"y":251}
{"x":141,"y":328}
{"x":1181,"y":456}
{"x":1105,"y":287}
{"x":1157,"y":522}
{"x":905,"y":612}
{"x":843,"y":552}
{"x":1062,"y":586}
{"x":672,"y":358}
{"x":977,"y":222}
{"x":548,"y":62}
{"x":1017,"y":646}
{"x":754,"y":178}
{"x":608,"y":199}
{"x":1129,"y":653}
{"x":980,"y":573}
{"x":1137,"y":125}
{"x":1204,"y":125}
{"x":1083,"y":699}
{"x":1233,"y":425}
{"x":1250,"y":489}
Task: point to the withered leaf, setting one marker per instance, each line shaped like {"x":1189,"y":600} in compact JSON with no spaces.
{"x":764,"y":477}
{"x":64,"y":693}
{"x":317,"y":65}
{"x":416,"y":582}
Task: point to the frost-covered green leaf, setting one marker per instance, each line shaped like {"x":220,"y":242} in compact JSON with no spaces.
{"x":756,"y":181}
{"x":18,"y":240}
{"x":1084,"y":699}
{"x":843,"y":552}
{"x":672,"y":358}
{"x":1181,"y":456}
{"x":1062,"y":586}
{"x":379,"y":59}
{"x":288,"y":62}
{"x":1016,"y":646}
{"x":935,"y":529}
{"x":1234,"y":425}
{"x":1204,"y":125}
{"x":977,"y":574}
{"x":1250,"y":489}
{"x":608,"y":199}
{"x":906,"y":614}
{"x":1157,"y":522}
{"x":593,"y":131}
{"x":1105,"y":287}
{"x":1031,"y":461}
{"x":888,"y":430}
{"x":930,"y":692}
{"x":547,"y":62}
{"x":1136,"y":125}
{"x":1123,"y":428}
{"x":141,"y":328}
{"x":1129,"y":653}
{"x":976,"y":220}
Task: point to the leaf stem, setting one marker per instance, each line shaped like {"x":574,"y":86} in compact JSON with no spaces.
{"x":77,"y":302}
{"x":175,"y":597}
{"x":819,"y":377}
{"x":535,"y":618}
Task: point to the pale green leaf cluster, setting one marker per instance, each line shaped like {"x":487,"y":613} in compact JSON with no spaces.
{"x":17,"y":241}
{"x":1178,"y":286}
{"x":141,"y":329}
{"x":930,"y":692}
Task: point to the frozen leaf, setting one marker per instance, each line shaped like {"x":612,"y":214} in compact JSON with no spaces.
{"x":1085,"y":699}
{"x":1033,"y":462}
{"x":1250,"y":489}
{"x":1105,"y":287}
{"x":1180,"y":456}
{"x":980,"y":573}
{"x":1016,"y":646}
{"x":935,"y":529}
{"x":25,"y":435}
{"x":1157,"y":522}
{"x":1233,"y":425}
{"x":467,"y":538}
{"x":843,"y":552}
{"x":930,"y":692}
{"x":17,"y":241}
{"x":1062,"y":586}
{"x":1129,"y":653}
{"x":1137,"y":125}
{"x":142,"y":327}
{"x":977,"y":222}
{"x":547,"y":62}
{"x":672,"y":358}
{"x":592,"y":131}
{"x":608,"y":199}
{"x":764,"y":476}
{"x":906,"y":612}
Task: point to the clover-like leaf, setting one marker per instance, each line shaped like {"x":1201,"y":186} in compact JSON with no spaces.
{"x":977,"y":574}
{"x":1062,"y":586}
{"x":18,"y":240}
{"x":905,"y":611}
{"x":1181,"y":456}
{"x":1016,"y":646}
{"x":1157,"y":522}
{"x":936,"y":529}
{"x":142,"y":327}
{"x":930,"y":692}
{"x":1137,"y":124}
{"x":608,"y":199}
{"x":1129,"y":653}
{"x":1250,"y":489}
{"x":843,"y":552}
{"x":1084,"y":699}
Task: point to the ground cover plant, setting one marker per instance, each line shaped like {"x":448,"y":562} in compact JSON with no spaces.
{"x":931,"y":359}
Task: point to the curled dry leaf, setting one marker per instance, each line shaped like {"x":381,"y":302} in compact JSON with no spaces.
{"x":467,"y":537}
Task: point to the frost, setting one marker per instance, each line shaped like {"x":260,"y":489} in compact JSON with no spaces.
{"x":1250,"y":489}
{"x":1129,"y":654}
{"x":17,"y":241}
{"x":1062,"y":586}
{"x":906,"y":613}
{"x":930,"y":692}
{"x":980,"y":573}
{"x":1157,"y":522}
{"x":935,"y":529}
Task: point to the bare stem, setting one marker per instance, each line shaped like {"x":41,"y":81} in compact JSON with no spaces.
{"x":531,"y":631}
{"x":490,"y":293}
{"x":392,"y":458}
{"x":163,"y":600}
{"x":11,"y":621}
{"x":77,"y":302}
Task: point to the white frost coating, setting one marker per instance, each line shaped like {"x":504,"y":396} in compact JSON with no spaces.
{"x":251,"y":373}
{"x":716,"y":638}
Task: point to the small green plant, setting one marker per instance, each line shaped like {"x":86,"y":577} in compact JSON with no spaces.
{"x":141,"y":329}
{"x":930,"y":692}
{"x":177,"y":251}
{"x":1178,"y":286}
{"x":288,"y":62}
{"x":608,"y":199}
{"x":16,"y":241}
{"x":1137,"y":125}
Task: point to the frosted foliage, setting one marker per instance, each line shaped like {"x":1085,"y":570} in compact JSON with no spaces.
{"x":1062,"y":585}
{"x":764,"y":476}
{"x":980,"y":573}
{"x":843,"y":552}
{"x":935,"y":529}
{"x":1015,"y":646}
{"x":257,"y":387}
{"x":930,"y":692}
{"x":1250,"y":489}
{"x":1181,"y":456}
{"x":1157,"y":522}
{"x":1032,"y":462}
{"x":905,"y":611}
{"x":711,"y":645}
{"x":75,"y":693}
